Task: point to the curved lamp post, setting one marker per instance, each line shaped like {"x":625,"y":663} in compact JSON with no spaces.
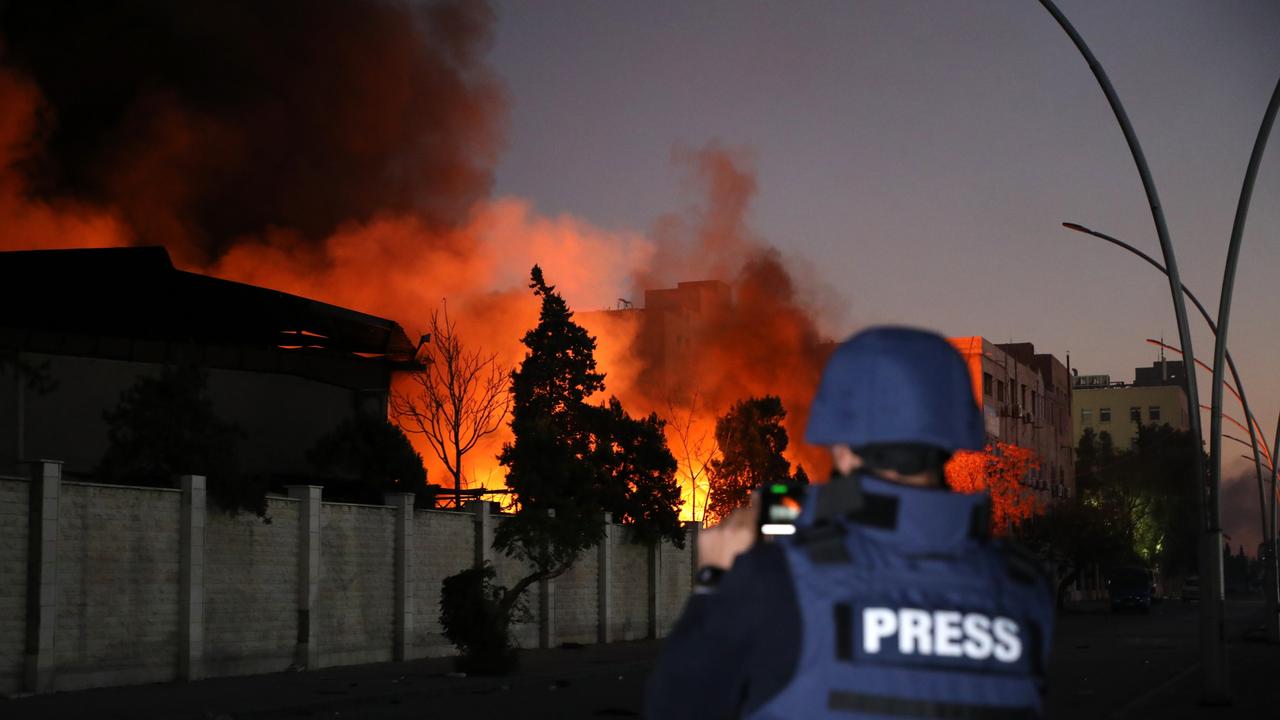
{"x":1268,"y":529}
{"x":1235,"y":375}
{"x":1220,"y":348}
{"x":1270,"y":575}
{"x":1213,"y":648}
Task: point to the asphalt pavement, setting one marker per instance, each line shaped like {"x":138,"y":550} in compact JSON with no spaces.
{"x":1104,"y":666}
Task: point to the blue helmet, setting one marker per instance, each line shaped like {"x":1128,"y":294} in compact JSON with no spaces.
{"x":896,"y":385}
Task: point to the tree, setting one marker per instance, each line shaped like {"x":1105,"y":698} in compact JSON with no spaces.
{"x":695,"y":445}
{"x":636,"y":472}
{"x":164,"y":426}
{"x":366,"y":456}
{"x":569,"y":462}
{"x":460,"y":397}
{"x":1073,"y":536}
{"x":1000,"y":470}
{"x":751,"y":440}
{"x":36,"y":377}
{"x":559,"y":515}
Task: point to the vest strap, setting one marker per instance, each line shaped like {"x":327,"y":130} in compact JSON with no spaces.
{"x":824,"y":543}
{"x":903,"y":707}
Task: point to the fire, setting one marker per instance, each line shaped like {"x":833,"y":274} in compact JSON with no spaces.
{"x":381,"y":203}
{"x":998,"y":470}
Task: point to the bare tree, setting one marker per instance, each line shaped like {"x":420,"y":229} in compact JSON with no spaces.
{"x":694,"y":446}
{"x":460,"y":396}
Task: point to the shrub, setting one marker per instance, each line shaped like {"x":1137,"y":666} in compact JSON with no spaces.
{"x":473,"y":620}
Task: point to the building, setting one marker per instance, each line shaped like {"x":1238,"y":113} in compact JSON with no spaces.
{"x":285,"y":369}
{"x":1025,"y":399}
{"x":1155,"y":397}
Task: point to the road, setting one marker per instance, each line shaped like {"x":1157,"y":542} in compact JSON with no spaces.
{"x":1104,"y":666}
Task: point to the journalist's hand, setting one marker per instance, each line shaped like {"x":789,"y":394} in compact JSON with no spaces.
{"x":719,"y":546}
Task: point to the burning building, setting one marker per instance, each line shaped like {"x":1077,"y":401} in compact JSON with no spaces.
{"x":284,"y":368}
{"x":1025,"y":399}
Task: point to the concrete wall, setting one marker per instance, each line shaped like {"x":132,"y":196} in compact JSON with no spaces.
{"x":357,"y":584}
{"x":509,"y":572}
{"x":117,"y":585}
{"x":673,"y":585}
{"x":629,"y":587}
{"x":13,"y":582}
{"x":251,"y":591}
{"x":576,"y":595}
{"x":136,"y":585}
{"x":444,"y":545}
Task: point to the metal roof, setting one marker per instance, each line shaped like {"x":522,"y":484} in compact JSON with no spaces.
{"x":137,"y":293}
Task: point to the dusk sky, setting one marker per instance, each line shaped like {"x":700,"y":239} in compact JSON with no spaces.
{"x":920,"y":157}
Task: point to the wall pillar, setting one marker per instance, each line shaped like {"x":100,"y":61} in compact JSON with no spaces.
{"x":42,"y":572}
{"x":403,"y":503}
{"x":691,"y":538}
{"x":655,"y":579}
{"x":604,"y":599}
{"x":547,"y":608}
{"x":191,"y":578}
{"x":484,"y":530}
{"x":307,"y":653}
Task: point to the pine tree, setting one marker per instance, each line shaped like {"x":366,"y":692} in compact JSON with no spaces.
{"x":751,"y":439}
{"x":547,"y":463}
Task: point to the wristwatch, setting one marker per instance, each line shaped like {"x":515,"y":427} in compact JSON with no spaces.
{"x":707,"y":579}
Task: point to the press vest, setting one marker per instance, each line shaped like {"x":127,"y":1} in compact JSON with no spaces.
{"x":908,"y":610}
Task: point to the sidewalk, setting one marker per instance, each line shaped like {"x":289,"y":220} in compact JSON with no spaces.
{"x":595,"y":681}
{"x":1255,"y":691}
{"x":1106,"y":666}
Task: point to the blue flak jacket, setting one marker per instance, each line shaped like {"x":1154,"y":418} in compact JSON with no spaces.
{"x":902,"y":609}
{"x":920,"y":616}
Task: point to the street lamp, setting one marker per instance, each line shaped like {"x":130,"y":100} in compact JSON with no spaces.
{"x":1268,"y":528}
{"x":1212,"y":631}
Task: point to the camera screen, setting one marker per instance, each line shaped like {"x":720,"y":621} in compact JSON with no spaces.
{"x":781,"y":508}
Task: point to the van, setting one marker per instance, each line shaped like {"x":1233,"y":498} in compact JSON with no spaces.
{"x":1130,"y":588}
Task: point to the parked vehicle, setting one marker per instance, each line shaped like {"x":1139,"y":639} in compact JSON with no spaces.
{"x":1130,"y":588}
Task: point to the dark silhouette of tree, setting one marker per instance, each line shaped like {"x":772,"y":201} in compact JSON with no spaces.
{"x":695,"y":446}
{"x":459,"y":397}
{"x":165,"y":426}
{"x":366,"y":456}
{"x":569,"y":461}
{"x":751,"y":439}
{"x":1074,"y":537}
{"x":35,"y":376}
{"x":559,"y":514}
{"x":636,"y":473}
{"x":1146,"y":492}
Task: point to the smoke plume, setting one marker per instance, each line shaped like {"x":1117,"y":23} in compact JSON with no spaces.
{"x":343,"y":150}
{"x":765,"y":339}
{"x":202,"y":124}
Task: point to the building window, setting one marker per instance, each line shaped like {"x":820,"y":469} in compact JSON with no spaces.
{"x":1135,"y":415}
{"x":986,"y":384}
{"x":1086,"y":417}
{"x":1153,"y":412}
{"x":1000,"y":391}
{"x":1023,"y":396}
{"x":1104,"y":415}
{"x":1035,"y":404}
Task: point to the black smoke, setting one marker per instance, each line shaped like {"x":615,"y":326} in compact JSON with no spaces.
{"x":203,"y":123}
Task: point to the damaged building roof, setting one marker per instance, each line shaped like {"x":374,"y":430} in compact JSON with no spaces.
{"x":137,"y":294}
